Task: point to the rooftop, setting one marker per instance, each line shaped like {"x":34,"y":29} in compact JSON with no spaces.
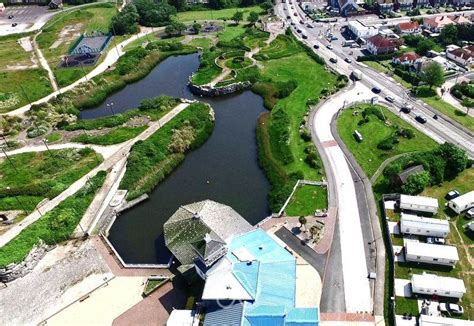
{"x":432,"y":250}
{"x":418,"y":200}
{"x":441,"y":283}
{"x":383,"y":42}
{"x":408,"y":26}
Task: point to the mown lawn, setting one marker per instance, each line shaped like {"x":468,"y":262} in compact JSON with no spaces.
{"x":115,"y":136}
{"x":406,"y":305}
{"x":189,"y":16}
{"x":366,"y":152}
{"x":306,"y":200}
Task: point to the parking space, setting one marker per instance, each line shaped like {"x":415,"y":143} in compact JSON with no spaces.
{"x":23,"y":19}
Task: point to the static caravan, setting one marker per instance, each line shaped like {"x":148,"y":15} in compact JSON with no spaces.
{"x":419,"y":252}
{"x":432,"y":284}
{"x":462,"y":203}
{"x":427,"y":226}
{"x":426,"y":320}
{"x":419,"y":204}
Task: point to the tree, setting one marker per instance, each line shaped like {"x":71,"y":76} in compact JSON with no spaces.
{"x":237,"y":17}
{"x":267,"y":5}
{"x":180,"y":5}
{"x":433,"y":75}
{"x":424,"y":46}
{"x":253,"y":17}
{"x":196,"y":28}
{"x":416,"y":183}
{"x":175,"y":28}
{"x":126,"y":21}
{"x":313,"y":231}
{"x":302,"y":221}
{"x":449,"y":34}
{"x":455,"y":157}
{"x":154,"y":14}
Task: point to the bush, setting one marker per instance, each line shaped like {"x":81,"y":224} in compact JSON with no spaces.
{"x":130,"y":60}
{"x":406,"y":133}
{"x":388,"y":143}
{"x":280,"y":135}
{"x":36,"y":131}
{"x":284,"y":89}
{"x":162,"y":103}
{"x":416,"y":183}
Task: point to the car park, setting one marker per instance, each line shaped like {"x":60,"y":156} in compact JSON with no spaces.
{"x":390,"y":99}
{"x":348,"y":60}
{"x":376,"y":90}
{"x":420,"y":119}
{"x":333,"y":60}
{"x":452,"y":194}
{"x":316,"y":46}
{"x":450,"y":308}
{"x":434,"y":240}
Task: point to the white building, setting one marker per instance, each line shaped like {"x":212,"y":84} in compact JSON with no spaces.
{"x":462,"y":203}
{"x":426,"y":226}
{"x":426,"y":320}
{"x":432,"y":284}
{"x":419,"y":204}
{"x":362,"y":31}
{"x":420,"y":252}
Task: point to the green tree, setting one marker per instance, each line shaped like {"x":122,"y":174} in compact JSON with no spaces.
{"x":267,"y":5}
{"x":253,"y":17}
{"x":455,"y":157}
{"x":180,"y":5}
{"x":175,"y":28}
{"x":154,"y":13}
{"x":237,"y":17}
{"x":416,"y":183}
{"x":449,"y":34}
{"x":196,"y":28}
{"x":126,"y":21}
{"x":302,"y":221}
{"x":433,"y":75}
{"x":424,"y":46}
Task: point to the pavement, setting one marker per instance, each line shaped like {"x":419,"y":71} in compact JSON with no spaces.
{"x":447,"y":97}
{"x":44,"y":63}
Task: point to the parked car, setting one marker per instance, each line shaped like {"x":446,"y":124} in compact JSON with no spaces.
{"x":298,"y":30}
{"x":333,"y":60}
{"x":316,"y":46}
{"x":10,"y":17}
{"x":288,"y":17}
{"x":406,"y":108}
{"x":376,"y":90}
{"x":295,"y":14}
{"x":347,"y":60}
{"x":329,"y":46}
{"x":434,"y":240}
{"x":334,"y":38}
{"x":470,"y":213}
{"x":304,"y":36}
{"x":390,"y":99}
{"x":309,"y":26}
{"x":435,"y":117}
{"x":451,"y":308}
{"x":14,"y":24}
{"x":452,"y":194}
{"x":420,"y":119}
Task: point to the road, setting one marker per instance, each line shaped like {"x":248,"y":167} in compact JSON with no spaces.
{"x":442,"y":129}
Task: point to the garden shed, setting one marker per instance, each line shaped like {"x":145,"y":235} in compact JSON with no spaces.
{"x":418,"y":225}
{"x":427,"y":253}
{"x":431,"y":284}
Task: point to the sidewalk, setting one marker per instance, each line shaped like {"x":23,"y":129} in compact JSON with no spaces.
{"x":447,"y":97}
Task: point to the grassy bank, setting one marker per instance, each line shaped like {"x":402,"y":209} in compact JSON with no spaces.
{"x":189,"y":16}
{"x":306,"y":200}
{"x":115,"y":136}
{"x":152,"y":160}
{"x":55,"y":226}
{"x":39,"y":175}
{"x":376,"y":133}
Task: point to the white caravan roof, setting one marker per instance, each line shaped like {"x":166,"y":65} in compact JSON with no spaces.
{"x":432,"y":250}
{"x":440,"y":283}
{"x":418,"y":200}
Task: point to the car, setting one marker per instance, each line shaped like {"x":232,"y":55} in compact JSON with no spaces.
{"x":316,"y":46}
{"x":452,"y":194}
{"x":309,"y":26}
{"x":301,"y":22}
{"x":14,"y":24}
{"x":288,"y":17}
{"x":304,"y":36}
{"x":390,"y":99}
{"x":333,"y":60}
{"x":298,"y":30}
{"x":376,"y":90}
{"x":434,"y":240}
{"x":329,"y":46}
{"x":435,"y":117}
{"x":334,"y":38}
{"x":406,"y":108}
{"x":450,"y":308}
{"x":470,"y":213}
{"x":420,"y":119}
{"x":292,"y":24}
{"x":348,"y":60}
{"x":10,"y":17}
{"x":295,"y":14}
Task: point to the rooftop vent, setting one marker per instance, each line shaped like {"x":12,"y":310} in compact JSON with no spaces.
{"x":260,"y":247}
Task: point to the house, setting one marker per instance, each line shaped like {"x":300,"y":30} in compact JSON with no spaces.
{"x":254,"y":284}
{"x":348,"y":7}
{"x":418,"y":225}
{"x":412,"y":60}
{"x":462,"y":56}
{"x":419,"y":252}
{"x":462,"y":203}
{"x":362,"y":31}
{"x":384,"y":6}
{"x":431,"y":284}
{"x":402,"y":177}
{"x":461,"y":19}
{"x":408,"y":28}
{"x":436,"y":24}
{"x":405,"y":4}
{"x":461,"y":3}
{"x":422,"y":3}
{"x":201,"y":230}
{"x":438,"y":3}
{"x":428,"y":320}
{"x":378,"y":44}
{"x":419,"y":204}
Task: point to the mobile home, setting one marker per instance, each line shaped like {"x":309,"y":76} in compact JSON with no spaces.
{"x":431,"y":284}
{"x":419,"y":204}
{"x":418,"y":225}
{"x":426,"y":320}
{"x":462,"y":203}
{"x":419,"y":252}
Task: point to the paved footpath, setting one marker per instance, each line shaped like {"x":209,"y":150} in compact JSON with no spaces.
{"x":356,"y":284}
{"x":119,"y":154}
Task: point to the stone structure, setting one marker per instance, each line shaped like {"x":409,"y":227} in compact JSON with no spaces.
{"x":219,"y":91}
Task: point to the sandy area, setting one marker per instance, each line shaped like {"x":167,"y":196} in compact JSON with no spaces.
{"x":67,"y":34}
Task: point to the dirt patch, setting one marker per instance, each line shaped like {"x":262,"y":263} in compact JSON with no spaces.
{"x":67,"y":34}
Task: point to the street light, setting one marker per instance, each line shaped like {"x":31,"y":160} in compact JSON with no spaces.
{"x":45,"y":142}
{"x":111,"y":107}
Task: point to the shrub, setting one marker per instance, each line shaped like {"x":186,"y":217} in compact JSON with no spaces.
{"x":416,"y":183}
{"x":161,"y":103}
{"x":388,"y":143}
{"x":284,"y":89}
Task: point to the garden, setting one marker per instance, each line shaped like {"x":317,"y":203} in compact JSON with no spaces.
{"x":306,"y":200}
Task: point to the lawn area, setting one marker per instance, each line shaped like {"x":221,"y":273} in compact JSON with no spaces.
{"x":431,"y":98}
{"x":406,"y":305}
{"x":152,"y":285}
{"x":282,"y":46}
{"x":54,"y":226}
{"x":42,"y":175}
{"x":53,"y":137}
{"x":306,"y":200}
{"x":189,"y":16}
{"x":367,"y":154}
{"x":60,"y":34}
{"x":114,"y":136}
{"x":201,"y":42}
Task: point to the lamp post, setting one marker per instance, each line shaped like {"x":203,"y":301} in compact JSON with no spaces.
{"x":20,"y":205}
{"x":111,"y":107}
{"x":45,"y":142}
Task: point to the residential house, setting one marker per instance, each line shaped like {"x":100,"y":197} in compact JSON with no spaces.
{"x":462,"y":203}
{"x":362,"y":31}
{"x":348,"y":7}
{"x":384,"y":6}
{"x":408,"y":59}
{"x":378,"y":44}
{"x":461,"y":19}
{"x":422,"y":3}
{"x":462,"y":56}
{"x":431,"y":284}
{"x":420,"y":252}
{"x":405,"y":4}
{"x":425,"y":226}
{"x":420,"y":204}
{"x":408,"y":28}
{"x":461,"y":3}
{"x":436,"y":24}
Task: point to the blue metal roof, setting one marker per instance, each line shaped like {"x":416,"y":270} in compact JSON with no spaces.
{"x":302,"y":317}
{"x":247,"y":274}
